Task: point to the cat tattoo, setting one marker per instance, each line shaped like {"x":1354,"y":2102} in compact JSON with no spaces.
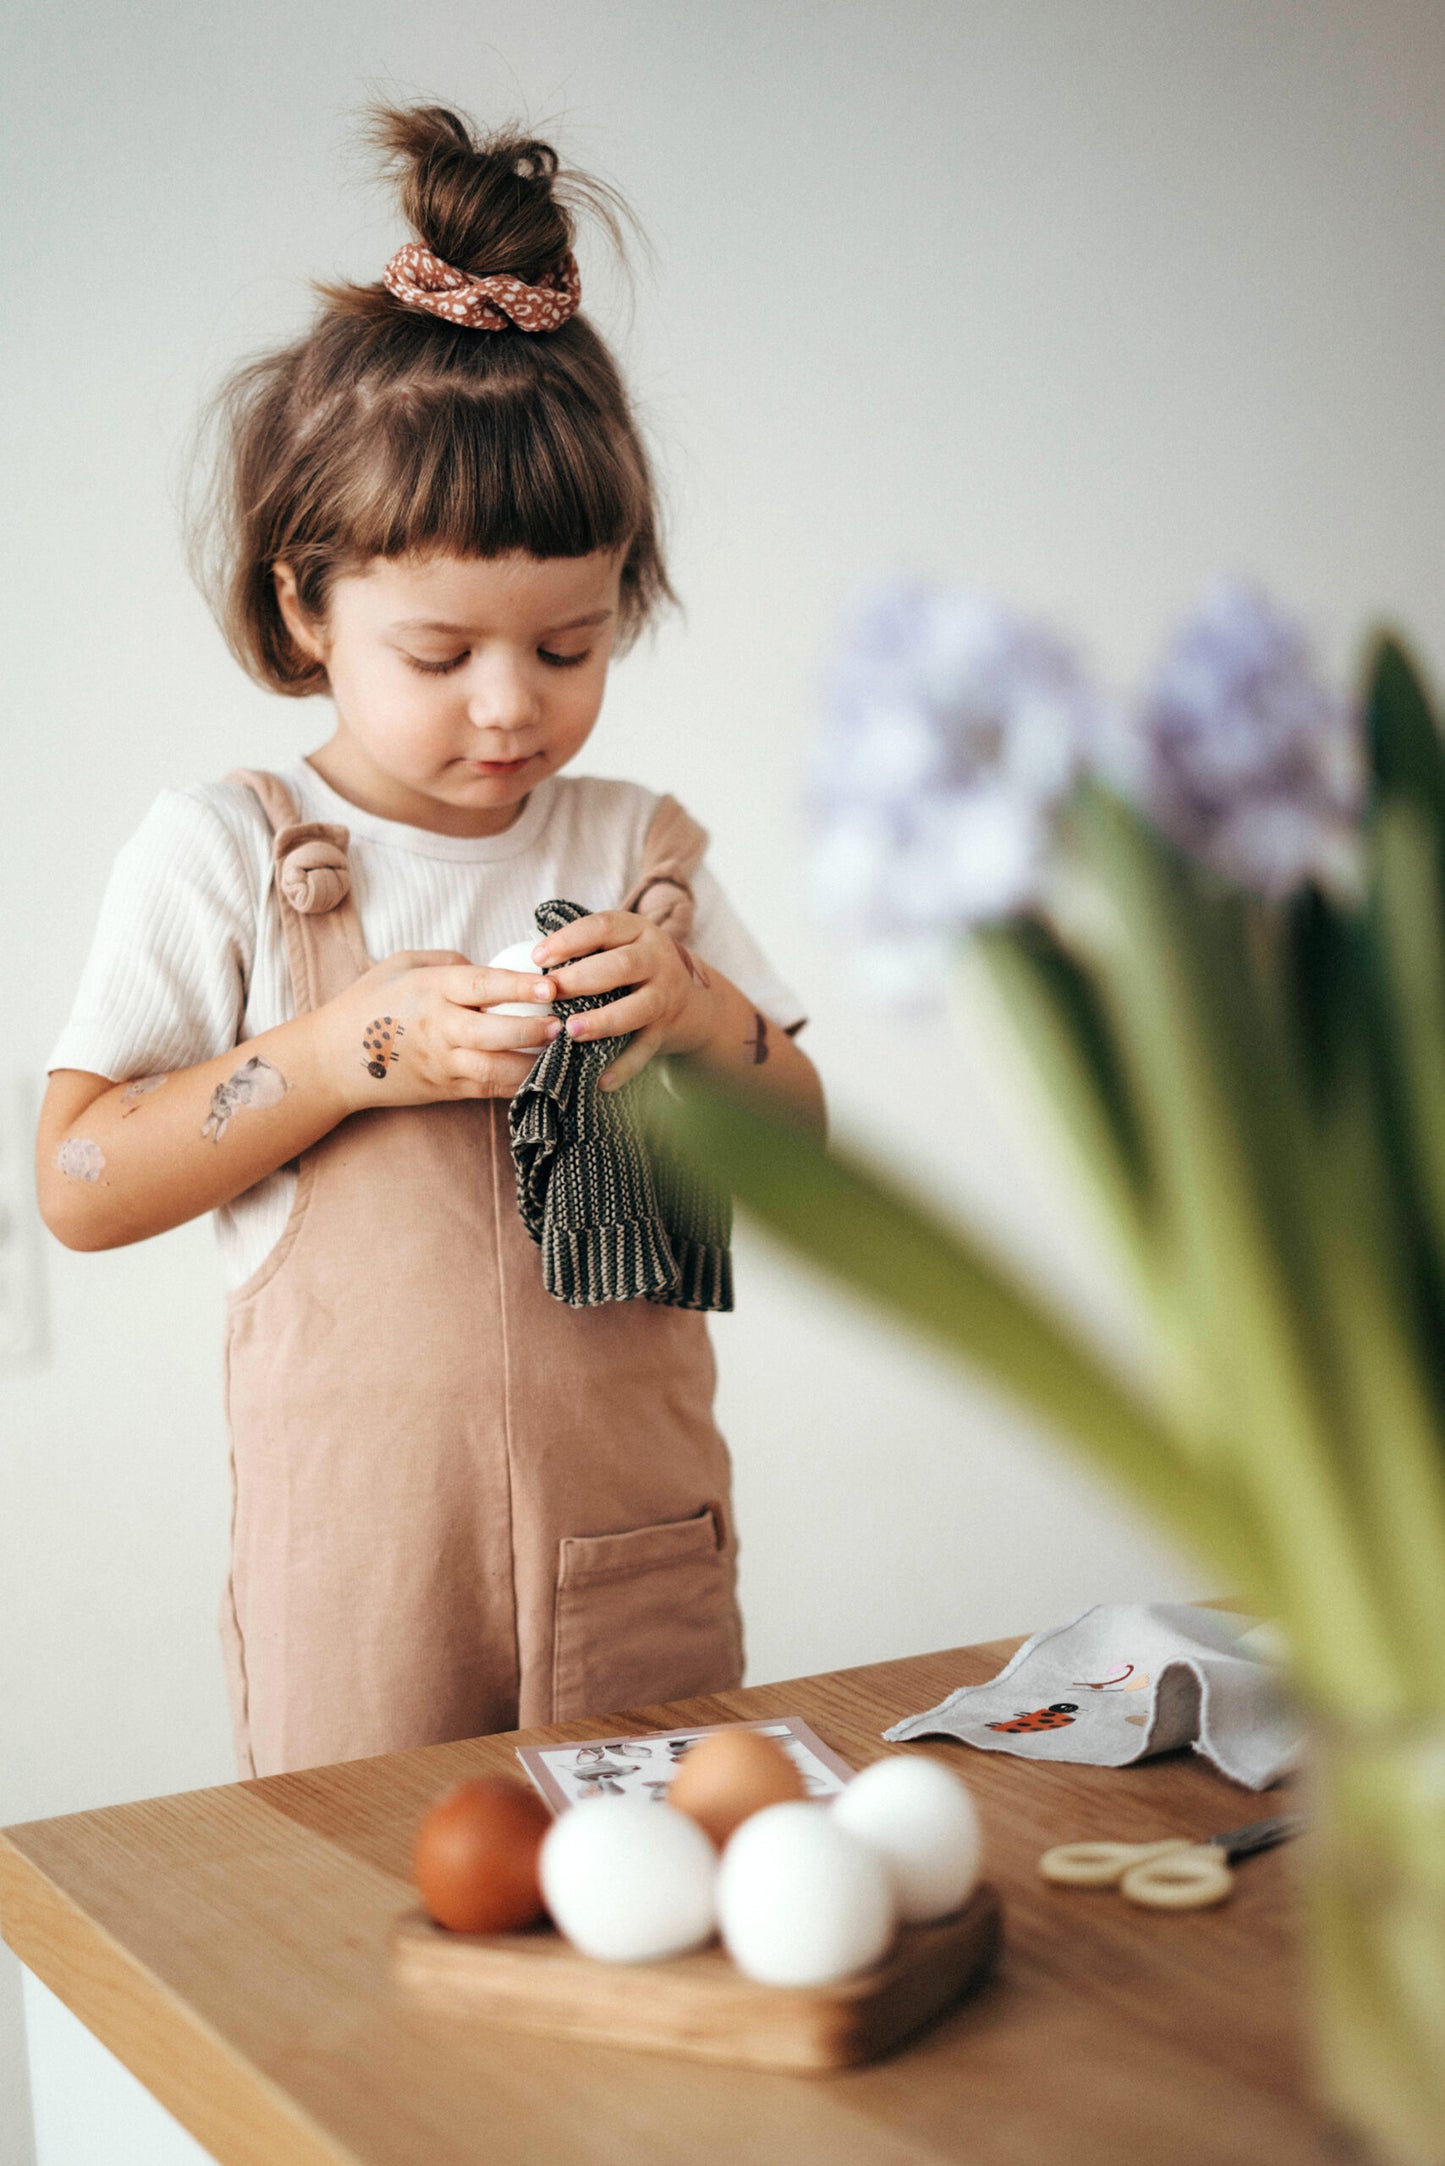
{"x":256,"y":1084}
{"x":757,"y":1045}
{"x":378,"y":1044}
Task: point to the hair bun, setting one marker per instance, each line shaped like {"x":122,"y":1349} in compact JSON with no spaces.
{"x":460,"y":191}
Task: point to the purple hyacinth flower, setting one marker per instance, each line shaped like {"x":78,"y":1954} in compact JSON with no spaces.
{"x":1244,"y":756}
{"x":952,"y":728}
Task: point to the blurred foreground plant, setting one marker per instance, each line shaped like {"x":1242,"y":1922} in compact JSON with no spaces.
{"x":1216,"y":921}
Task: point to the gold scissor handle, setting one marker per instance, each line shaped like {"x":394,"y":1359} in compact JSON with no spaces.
{"x":1189,"y":1879}
{"x":1103,"y":1865}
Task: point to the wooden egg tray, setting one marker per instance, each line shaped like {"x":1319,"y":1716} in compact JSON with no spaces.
{"x":701,"y":2004}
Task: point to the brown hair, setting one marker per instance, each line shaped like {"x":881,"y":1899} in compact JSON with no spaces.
{"x":387,"y":431}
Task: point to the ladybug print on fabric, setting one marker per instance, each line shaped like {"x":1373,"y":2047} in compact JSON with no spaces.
{"x":378,"y":1043}
{"x":1056,"y":1717}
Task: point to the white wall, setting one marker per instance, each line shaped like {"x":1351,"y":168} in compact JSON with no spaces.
{"x":1085,"y":301}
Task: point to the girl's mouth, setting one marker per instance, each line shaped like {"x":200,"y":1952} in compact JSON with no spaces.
{"x":500,"y":767}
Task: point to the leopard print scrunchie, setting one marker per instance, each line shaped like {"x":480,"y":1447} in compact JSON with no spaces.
{"x":496,"y":303}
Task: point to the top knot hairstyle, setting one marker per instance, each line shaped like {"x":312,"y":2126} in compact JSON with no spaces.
{"x":388,"y":430}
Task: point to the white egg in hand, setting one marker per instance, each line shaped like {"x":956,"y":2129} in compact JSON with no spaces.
{"x":800,"y":1900}
{"x":924,"y":1824}
{"x":519,"y":957}
{"x":628,"y":1880}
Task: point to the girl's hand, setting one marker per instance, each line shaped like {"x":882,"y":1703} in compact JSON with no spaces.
{"x":670,"y":1007}
{"x":411,"y":1031}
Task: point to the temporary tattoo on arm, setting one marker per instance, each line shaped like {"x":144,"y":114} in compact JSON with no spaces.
{"x":142,"y":1087}
{"x":254,"y":1085}
{"x":378,"y":1044}
{"x":758,"y":1045}
{"x":693,"y":967}
{"x":80,"y":1160}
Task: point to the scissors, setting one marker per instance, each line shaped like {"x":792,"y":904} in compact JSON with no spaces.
{"x":1177,"y":1875}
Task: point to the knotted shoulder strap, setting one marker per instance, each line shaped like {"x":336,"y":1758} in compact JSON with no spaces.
{"x":312,"y":870}
{"x":276,"y":800}
{"x":671,"y":852}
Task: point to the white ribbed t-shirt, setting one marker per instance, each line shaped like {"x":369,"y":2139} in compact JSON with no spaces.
{"x":189,"y":954}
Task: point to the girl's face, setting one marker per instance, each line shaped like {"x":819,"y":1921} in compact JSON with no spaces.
{"x":459,"y":682}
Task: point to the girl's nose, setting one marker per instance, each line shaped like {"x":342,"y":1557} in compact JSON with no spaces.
{"x":503,"y":696}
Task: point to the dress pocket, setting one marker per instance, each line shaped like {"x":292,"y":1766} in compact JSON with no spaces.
{"x":645,"y":1615}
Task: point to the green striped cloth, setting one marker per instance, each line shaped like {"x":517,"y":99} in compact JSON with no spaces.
{"x":615,"y":1217}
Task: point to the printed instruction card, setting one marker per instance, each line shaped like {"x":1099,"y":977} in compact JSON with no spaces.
{"x":644,"y":1766}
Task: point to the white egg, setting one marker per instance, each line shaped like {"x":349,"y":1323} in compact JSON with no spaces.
{"x":800,"y":1901}
{"x":519,"y":957}
{"x":923,"y":1823}
{"x":628,"y":1880}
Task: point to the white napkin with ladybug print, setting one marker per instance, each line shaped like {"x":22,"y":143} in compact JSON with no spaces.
{"x":1127,"y":1680}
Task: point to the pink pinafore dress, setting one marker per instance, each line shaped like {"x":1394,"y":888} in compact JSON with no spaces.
{"x":458,"y":1505}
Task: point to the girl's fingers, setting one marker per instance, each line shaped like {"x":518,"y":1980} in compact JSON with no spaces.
{"x":603,"y":929}
{"x":484,"y":1033}
{"x":477,"y":985}
{"x":635,"y":1011}
{"x":494,"y":1072}
{"x":634,"y":1058}
{"x":601,"y":973}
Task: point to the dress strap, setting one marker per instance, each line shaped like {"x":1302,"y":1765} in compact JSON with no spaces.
{"x":312,"y":872}
{"x":671,"y":852}
{"x":276,"y":799}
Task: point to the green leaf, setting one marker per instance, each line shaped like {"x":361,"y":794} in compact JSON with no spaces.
{"x":1408,"y":908}
{"x":1320,"y":982}
{"x":1364,"y":1206}
{"x":1406,"y":1012}
{"x":1406,"y":758}
{"x":849,"y":1219}
{"x":1230,"y":1139}
{"x":1065,"y":1029}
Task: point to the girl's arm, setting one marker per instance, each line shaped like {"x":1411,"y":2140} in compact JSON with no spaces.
{"x":751,"y":1051}
{"x":678,"y":1005}
{"x":117,"y":1162}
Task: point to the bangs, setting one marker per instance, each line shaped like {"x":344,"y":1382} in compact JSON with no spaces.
{"x":486,"y":469}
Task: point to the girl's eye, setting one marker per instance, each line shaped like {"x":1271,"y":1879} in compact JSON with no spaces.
{"x":436,"y":669}
{"x":443,"y":669}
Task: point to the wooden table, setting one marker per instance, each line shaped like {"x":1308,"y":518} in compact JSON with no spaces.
{"x":229,"y":1946}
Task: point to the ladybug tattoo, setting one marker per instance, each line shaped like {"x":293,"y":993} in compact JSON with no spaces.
{"x":1056,"y":1717}
{"x":378,"y":1044}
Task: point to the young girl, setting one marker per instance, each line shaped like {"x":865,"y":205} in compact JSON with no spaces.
{"x":458,"y":1504}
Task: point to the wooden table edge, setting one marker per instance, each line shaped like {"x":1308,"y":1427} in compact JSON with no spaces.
{"x":215,"y":2092}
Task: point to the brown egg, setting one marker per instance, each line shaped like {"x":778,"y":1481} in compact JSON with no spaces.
{"x":728,"y":1776}
{"x":475,"y":1858}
